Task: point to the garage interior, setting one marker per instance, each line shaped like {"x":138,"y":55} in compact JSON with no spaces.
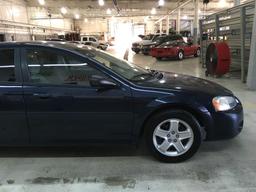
{"x":218,"y":166}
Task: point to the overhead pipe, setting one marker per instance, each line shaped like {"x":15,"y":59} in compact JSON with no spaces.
{"x":172,"y":11}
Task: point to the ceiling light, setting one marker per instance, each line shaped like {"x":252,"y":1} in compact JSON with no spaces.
{"x":85,"y":20}
{"x":108,"y":11}
{"x":222,"y":3}
{"x":161,"y":2}
{"x":63,"y":10}
{"x":41,"y":2}
{"x":153,"y":11}
{"x":15,"y":12}
{"x":101,"y":2}
{"x":185,"y":17}
{"x":77,"y":16}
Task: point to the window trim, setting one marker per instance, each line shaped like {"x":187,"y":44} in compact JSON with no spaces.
{"x":26,"y":72}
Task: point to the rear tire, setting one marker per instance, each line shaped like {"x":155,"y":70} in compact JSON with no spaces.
{"x":173,"y":136}
{"x":198,"y":52}
{"x":180,"y":55}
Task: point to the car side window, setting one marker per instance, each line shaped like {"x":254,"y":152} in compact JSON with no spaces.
{"x":50,"y":67}
{"x":7,"y":66}
{"x":92,"y":39}
{"x":84,"y":38}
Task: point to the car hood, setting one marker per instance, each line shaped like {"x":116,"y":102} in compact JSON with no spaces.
{"x":173,"y":81}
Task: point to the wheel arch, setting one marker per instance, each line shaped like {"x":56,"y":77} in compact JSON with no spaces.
{"x":195,"y":113}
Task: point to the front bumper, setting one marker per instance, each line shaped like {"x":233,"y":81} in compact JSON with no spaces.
{"x":226,"y":125}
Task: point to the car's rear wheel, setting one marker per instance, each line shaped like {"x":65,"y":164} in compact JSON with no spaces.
{"x":180,"y":55}
{"x":198,"y":52}
{"x":173,"y":136}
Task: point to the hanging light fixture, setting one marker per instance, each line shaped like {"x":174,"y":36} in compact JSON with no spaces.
{"x":161,"y":2}
{"x":41,"y":2}
{"x":108,"y":11}
{"x":77,"y":16}
{"x":153,"y":11}
{"x":63,"y":10}
{"x":101,"y":2}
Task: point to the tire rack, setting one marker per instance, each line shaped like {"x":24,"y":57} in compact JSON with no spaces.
{"x":234,"y":26}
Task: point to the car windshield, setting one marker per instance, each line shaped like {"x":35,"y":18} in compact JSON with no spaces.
{"x":169,"y":44}
{"x":148,"y":37}
{"x":119,"y":66}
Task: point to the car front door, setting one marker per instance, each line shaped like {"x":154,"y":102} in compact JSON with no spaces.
{"x":63,"y":107}
{"x":13,"y":129}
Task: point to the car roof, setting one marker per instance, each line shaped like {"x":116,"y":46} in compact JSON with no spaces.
{"x":55,"y":44}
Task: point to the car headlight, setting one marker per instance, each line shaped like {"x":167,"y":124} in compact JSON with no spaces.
{"x":224,"y":103}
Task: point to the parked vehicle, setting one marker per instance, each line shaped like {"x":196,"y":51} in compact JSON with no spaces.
{"x":67,"y":94}
{"x":146,"y":47}
{"x":136,"y":46}
{"x":93,"y":41}
{"x":175,"y":49}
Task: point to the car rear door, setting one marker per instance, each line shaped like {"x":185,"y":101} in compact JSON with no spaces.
{"x":62,"y":106}
{"x":13,"y":127}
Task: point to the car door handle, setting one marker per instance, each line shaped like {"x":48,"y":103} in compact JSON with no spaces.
{"x":42,"y":95}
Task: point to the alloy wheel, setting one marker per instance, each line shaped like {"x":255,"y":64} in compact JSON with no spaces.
{"x":173,"y":137}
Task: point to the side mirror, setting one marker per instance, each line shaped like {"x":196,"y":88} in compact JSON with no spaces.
{"x":102,"y":83}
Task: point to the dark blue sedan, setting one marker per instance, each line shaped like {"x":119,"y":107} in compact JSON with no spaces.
{"x":56,"y":93}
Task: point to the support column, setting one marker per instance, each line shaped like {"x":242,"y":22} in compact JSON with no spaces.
{"x":196,"y":21}
{"x":167,"y":24}
{"x":178,"y":22}
{"x":161,"y":26}
{"x":217,"y":28}
{"x":251,"y":77}
{"x":242,"y":40}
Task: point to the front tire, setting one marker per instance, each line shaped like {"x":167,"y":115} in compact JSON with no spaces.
{"x":173,"y":136}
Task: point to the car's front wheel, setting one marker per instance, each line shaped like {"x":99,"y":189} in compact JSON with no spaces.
{"x":173,"y":136}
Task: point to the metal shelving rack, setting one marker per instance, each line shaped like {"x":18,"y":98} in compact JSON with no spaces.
{"x":234,"y":26}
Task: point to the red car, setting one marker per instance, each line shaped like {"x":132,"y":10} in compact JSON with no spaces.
{"x":178,"y":49}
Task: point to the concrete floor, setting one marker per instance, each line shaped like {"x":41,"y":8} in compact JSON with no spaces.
{"x":218,"y":166}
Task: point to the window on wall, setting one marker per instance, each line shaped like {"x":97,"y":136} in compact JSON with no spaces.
{"x":7,"y":66}
{"x":50,"y":67}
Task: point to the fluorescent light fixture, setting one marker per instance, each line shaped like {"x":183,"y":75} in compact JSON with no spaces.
{"x":15,"y":12}
{"x":101,"y":2}
{"x":108,"y":11}
{"x":63,"y":10}
{"x":41,"y":2}
{"x":85,"y":20}
{"x":153,"y":11}
{"x":161,"y":2}
{"x":77,"y":16}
